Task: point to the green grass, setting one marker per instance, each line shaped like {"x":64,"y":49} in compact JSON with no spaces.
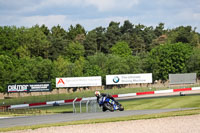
{"x":187,"y":101}
{"x":94,"y":121}
{"x":53,"y":97}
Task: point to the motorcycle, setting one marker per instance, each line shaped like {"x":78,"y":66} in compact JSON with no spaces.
{"x":109,"y":104}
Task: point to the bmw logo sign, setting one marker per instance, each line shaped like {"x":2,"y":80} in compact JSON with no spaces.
{"x":116,"y":79}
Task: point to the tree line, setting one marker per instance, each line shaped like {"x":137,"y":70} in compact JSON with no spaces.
{"x":40,"y":54}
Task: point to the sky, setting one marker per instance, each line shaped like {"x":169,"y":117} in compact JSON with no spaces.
{"x":94,"y":13}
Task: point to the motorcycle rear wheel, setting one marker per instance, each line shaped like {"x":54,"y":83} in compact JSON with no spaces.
{"x":109,"y":107}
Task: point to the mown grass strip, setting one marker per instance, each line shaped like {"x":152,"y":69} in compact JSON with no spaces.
{"x":94,"y":121}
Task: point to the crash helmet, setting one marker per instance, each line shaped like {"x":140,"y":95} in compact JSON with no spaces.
{"x":97,"y":93}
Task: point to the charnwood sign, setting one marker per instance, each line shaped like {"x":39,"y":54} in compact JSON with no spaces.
{"x":29,"y":87}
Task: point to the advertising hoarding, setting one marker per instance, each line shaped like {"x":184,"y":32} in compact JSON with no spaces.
{"x":29,"y":87}
{"x":78,"y":81}
{"x":128,"y":79}
{"x":183,"y":78}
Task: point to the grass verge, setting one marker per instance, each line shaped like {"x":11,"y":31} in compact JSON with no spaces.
{"x":54,"y":97}
{"x":93,"y":121}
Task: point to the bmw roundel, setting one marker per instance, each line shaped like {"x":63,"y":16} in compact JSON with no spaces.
{"x":116,"y":79}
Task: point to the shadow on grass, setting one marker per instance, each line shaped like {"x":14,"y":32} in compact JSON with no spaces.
{"x":64,"y":112}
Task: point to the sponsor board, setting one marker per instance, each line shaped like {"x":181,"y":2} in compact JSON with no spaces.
{"x":128,"y":79}
{"x":78,"y":81}
{"x":29,"y":87}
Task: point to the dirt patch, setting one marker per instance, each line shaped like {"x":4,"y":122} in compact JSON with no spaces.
{"x":181,"y":124}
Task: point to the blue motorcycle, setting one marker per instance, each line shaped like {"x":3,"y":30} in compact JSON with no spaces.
{"x":109,"y":104}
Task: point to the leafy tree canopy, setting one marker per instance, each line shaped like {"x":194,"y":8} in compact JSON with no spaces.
{"x":121,"y":49}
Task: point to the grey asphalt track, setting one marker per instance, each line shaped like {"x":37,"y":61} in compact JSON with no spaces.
{"x":66,"y":117}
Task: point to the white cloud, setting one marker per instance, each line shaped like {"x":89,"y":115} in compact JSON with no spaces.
{"x":94,"y":13}
{"x":101,"y":5}
{"x":51,"y":20}
{"x":108,"y":5}
{"x":64,"y":21}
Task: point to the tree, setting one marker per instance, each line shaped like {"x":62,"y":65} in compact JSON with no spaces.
{"x":193,"y":64}
{"x":137,"y":44}
{"x":7,"y":69}
{"x":121,"y":49}
{"x":98,"y":59}
{"x":96,"y":64}
{"x":148,"y":35}
{"x":34,"y":69}
{"x":62,"y":67}
{"x":159,"y":30}
{"x":78,"y":66}
{"x":76,"y":33}
{"x":59,"y":41}
{"x":117,"y":65}
{"x":135,"y":64}
{"x":127,"y":27}
{"x":36,"y":42}
{"x":183,"y":34}
{"x":74,"y":51}
{"x":92,"y":70}
{"x":9,"y":40}
{"x":168,"y":58}
{"x":90,"y":43}
{"x":113,"y":35}
{"x":45,"y":30}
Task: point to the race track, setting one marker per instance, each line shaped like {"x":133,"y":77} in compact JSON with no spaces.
{"x":66,"y":117}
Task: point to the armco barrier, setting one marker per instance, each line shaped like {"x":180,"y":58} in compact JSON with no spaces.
{"x":93,"y":98}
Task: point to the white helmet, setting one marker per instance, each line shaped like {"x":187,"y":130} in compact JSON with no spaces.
{"x":97,"y":93}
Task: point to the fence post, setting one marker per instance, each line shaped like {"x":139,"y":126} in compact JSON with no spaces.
{"x":74,"y":108}
{"x":87,"y":106}
{"x":80,"y":106}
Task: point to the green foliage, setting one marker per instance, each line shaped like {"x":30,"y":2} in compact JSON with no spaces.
{"x":39,"y":54}
{"x":77,"y":69}
{"x":135,"y":64}
{"x":116,"y":65}
{"x":159,"y":30}
{"x":34,"y":70}
{"x":169,"y":58}
{"x":92,"y":70}
{"x":90,"y":43}
{"x":37,"y":42}
{"x":9,"y":37}
{"x":113,"y":35}
{"x":76,"y":33}
{"x":193,"y":63}
{"x":184,"y":35}
{"x":74,"y":51}
{"x":121,"y":49}
{"x":98,"y":65}
{"x":62,"y":67}
{"x":58,"y":39}
{"x":6,"y":71}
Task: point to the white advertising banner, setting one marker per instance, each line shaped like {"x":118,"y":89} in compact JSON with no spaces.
{"x":78,"y":81}
{"x":128,"y":79}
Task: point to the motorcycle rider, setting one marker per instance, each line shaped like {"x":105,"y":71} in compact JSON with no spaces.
{"x":99,"y":95}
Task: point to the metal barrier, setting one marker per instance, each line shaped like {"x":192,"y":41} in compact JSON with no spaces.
{"x":90,"y":104}
{"x":74,"y":107}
